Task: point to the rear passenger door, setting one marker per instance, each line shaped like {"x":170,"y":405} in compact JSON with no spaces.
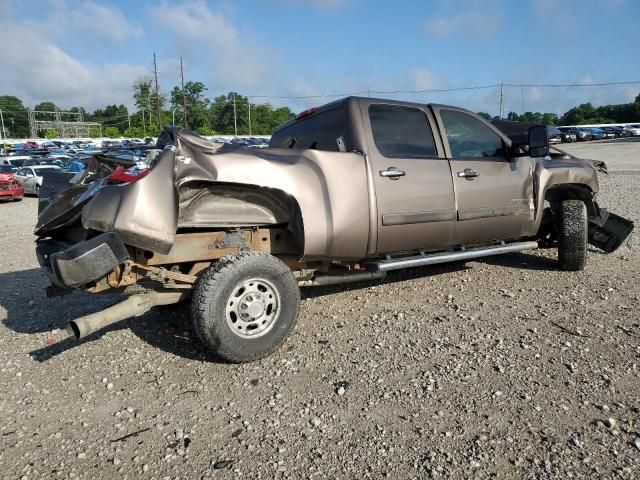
{"x":494,"y":194}
{"x":412,"y":180}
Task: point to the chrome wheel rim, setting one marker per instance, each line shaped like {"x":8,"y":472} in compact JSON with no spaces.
{"x":253,"y":308}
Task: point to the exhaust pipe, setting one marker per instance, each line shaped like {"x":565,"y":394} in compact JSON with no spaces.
{"x":134,"y":306}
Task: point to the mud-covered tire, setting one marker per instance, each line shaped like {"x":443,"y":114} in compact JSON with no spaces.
{"x":572,"y":235}
{"x":218,"y":299}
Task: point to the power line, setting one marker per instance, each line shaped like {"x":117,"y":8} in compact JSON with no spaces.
{"x":555,"y":85}
{"x":438,"y":90}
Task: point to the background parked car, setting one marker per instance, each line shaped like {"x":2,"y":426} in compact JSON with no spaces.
{"x":579,"y":134}
{"x":610,"y":132}
{"x":584,"y":134}
{"x":10,"y":188}
{"x":555,"y":135}
{"x":31,"y":177}
{"x":620,"y":131}
{"x":597,"y":134}
{"x":634,"y":130}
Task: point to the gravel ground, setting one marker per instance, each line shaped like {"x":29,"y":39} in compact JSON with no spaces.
{"x":506,"y":367}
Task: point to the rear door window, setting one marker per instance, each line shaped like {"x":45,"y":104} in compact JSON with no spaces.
{"x":469,"y":137}
{"x":401,"y":132}
{"x":327,"y":130}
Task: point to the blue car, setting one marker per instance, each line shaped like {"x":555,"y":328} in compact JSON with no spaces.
{"x":597,"y":133}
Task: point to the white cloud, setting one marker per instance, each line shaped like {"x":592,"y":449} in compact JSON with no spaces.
{"x":425,"y":79}
{"x":586,"y":79}
{"x":323,"y":5}
{"x":105,"y":22}
{"x":40,"y":70}
{"x":208,"y":37}
{"x":472,"y":19}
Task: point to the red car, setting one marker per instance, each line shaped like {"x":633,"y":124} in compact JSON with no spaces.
{"x":10,"y":188}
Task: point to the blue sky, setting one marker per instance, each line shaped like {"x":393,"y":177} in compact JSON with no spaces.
{"x":91,"y":52}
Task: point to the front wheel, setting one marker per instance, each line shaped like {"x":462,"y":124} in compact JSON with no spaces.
{"x":245,"y":306}
{"x":572,"y":235}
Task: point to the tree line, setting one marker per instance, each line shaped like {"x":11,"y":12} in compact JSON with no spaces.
{"x":190,"y":106}
{"x":584,"y":114}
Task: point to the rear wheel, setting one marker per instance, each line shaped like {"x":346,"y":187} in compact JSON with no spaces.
{"x":572,"y":235}
{"x":37,"y":190}
{"x":245,"y":306}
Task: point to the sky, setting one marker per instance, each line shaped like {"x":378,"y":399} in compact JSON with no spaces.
{"x":91,"y":52}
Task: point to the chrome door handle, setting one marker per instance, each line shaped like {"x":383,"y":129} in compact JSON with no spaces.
{"x":393,"y":173}
{"x":468,"y":173}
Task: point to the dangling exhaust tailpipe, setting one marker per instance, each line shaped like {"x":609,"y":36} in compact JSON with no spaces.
{"x":134,"y":306}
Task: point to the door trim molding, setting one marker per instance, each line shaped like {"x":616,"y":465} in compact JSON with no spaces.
{"x":488,"y":212}
{"x":408,"y":218}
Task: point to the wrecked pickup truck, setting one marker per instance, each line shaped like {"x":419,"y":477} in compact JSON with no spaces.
{"x":346,"y":192}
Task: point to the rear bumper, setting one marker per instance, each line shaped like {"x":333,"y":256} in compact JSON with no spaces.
{"x":75,"y":265}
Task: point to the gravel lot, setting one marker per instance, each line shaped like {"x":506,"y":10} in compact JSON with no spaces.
{"x":505,"y":367}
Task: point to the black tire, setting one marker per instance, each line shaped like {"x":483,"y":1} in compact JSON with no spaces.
{"x":572,"y":235}
{"x":37,"y":190}
{"x":219,"y":298}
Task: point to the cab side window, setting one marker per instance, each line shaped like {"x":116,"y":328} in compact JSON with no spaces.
{"x":401,"y":132}
{"x":22,"y":172}
{"x":469,"y":137}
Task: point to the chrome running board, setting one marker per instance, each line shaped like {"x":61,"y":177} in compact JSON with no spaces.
{"x":445,"y":257}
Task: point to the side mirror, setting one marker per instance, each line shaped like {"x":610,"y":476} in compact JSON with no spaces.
{"x":538,"y":141}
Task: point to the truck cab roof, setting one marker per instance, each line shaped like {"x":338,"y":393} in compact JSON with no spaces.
{"x":337,"y":126}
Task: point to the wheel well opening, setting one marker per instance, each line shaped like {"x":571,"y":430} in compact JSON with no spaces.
{"x":206,"y":205}
{"x":557,"y":194}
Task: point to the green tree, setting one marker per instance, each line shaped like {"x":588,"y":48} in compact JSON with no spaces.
{"x":133,"y":132}
{"x":193,"y":97}
{"x":16,"y":118}
{"x":111,"y":132}
{"x":205,"y":131}
{"x":46,"y":107}
{"x":50,"y":133}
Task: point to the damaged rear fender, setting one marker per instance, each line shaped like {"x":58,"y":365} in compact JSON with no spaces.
{"x":143,"y":213}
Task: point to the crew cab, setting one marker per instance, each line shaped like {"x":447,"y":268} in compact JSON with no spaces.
{"x":344,"y":193}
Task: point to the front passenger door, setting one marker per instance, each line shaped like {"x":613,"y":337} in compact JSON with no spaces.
{"x":494,"y":194}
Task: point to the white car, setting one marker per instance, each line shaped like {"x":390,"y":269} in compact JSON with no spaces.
{"x":31,"y":177}
{"x":634,"y":129}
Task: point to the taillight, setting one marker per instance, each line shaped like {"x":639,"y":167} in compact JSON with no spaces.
{"x":129,"y":175}
{"x":306,"y":113}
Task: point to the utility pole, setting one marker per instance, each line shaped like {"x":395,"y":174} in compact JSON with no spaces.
{"x":249,"y":115}
{"x":501,"y":98}
{"x":522,"y":92}
{"x":184,"y":98}
{"x":155,"y":74}
{"x":4,"y":132}
{"x":173,"y":116}
{"x":235,"y":118}
{"x":129,"y":119}
{"x":143,"y":127}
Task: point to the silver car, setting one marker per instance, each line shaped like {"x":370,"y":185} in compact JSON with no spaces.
{"x":31,"y":177}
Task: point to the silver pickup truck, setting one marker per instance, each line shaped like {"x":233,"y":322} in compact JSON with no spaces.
{"x":344,"y":193}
